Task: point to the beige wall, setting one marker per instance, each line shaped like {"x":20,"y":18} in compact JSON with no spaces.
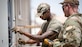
{"x":22,"y":17}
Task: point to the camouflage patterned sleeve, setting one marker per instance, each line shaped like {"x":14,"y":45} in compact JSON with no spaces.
{"x":72,"y":32}
{"x":72,"y":35}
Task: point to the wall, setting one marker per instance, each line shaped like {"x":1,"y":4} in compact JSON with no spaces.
{"x":3,"y":23}
{"x":21,"y":17}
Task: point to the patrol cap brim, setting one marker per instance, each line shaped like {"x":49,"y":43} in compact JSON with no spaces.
{"x":40,"y":14}
{"x":62,"y":3}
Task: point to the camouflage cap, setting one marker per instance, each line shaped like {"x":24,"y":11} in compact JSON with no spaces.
{"x":75,"y":2}
{"x":42,"y":8}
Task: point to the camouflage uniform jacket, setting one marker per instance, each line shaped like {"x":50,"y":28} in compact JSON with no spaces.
{"x":72,"y":32}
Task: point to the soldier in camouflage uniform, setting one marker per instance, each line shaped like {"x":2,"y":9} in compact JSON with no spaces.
{"x":50,"y":29}
{"x":72,"y":33}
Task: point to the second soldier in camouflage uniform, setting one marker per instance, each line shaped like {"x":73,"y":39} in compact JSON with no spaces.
{"x":71,"y":35}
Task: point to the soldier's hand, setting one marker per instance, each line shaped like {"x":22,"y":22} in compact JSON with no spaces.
{"x":16,"y":29}
{"x":20,"y":41}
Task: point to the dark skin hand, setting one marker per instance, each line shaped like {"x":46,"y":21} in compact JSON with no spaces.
{"x":26,"y":42}
{"x":30,"y":41}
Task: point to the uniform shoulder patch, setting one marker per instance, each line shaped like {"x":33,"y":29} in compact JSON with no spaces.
{"x":69,"y":27}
